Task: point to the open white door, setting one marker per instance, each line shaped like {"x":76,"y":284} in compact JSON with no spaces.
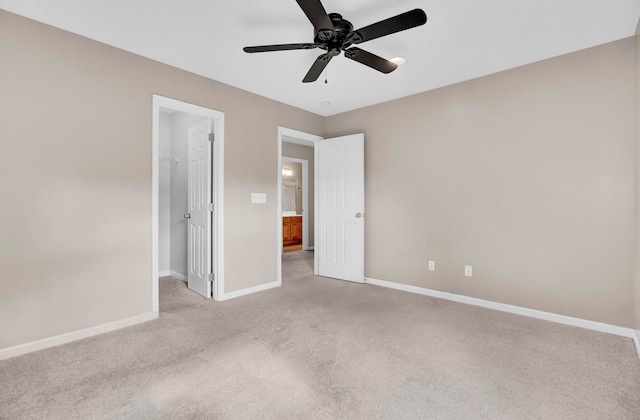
{"x":341,"y":208}
{"x":199,"y":247}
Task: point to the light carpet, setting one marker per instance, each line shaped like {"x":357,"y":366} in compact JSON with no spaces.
{"x":319,"y":348}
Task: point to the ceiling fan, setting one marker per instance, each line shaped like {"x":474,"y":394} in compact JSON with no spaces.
{"x":335,"y":34}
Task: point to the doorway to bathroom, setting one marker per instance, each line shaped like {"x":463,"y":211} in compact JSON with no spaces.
{"x":338,"y":204}
{"x":296,"y":194}
{"x":295,"y":187}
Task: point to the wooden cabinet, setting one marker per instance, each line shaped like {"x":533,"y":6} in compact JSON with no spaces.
{"x":291,"y":230}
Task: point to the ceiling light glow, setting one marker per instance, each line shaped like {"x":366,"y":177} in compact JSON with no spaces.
{"x":398,"y":60}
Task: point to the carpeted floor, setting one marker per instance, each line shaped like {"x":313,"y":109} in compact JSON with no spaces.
{"x":318,"y":348}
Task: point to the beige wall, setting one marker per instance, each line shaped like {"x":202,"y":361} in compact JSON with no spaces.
{"x":636,"y":279}
{"x":527,"y":175}
{"x":75,"y":121}
{"x":304,"y":152}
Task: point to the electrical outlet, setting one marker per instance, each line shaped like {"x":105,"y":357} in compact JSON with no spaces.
{"x":468,"y":271}
{"x":432,"y":265}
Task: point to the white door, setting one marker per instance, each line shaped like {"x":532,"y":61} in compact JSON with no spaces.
{"x":200,"y":207}
{"x":341,"y":208}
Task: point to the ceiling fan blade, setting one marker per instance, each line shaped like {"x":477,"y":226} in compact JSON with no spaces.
{"x":371,"y":60}
{"x":389,"y":26}
{"x":281,"y":47}
{"x":316,"y":14}
{"x":319,"y":65}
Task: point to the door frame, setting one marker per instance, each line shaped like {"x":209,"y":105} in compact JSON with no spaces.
{"x":288,"y":135}
{"x":217,"y":118}
{"x":305,"y":199}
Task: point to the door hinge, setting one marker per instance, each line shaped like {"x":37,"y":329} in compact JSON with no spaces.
{"x":212,"y":207}
{"x":211,"y":137}
{"x":211,"y":277}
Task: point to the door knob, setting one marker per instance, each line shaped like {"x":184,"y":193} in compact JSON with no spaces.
{"x":187,"y":216}
{"x":359,"y":215}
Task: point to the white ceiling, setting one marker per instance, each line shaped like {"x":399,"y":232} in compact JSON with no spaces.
{"x":462,"y":40}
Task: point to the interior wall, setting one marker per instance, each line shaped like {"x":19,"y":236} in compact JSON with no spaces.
{"x":76,"y":239}
{"x":307,"y":153}
{"x":164,"y":197}
{"x":636,"y":294}
{"x":527,"y":175}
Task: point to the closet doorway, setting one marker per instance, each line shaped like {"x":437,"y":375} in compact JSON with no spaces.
{"x":187,"y":208}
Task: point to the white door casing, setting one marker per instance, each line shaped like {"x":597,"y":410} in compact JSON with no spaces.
{"x":199,"y":247}
{"x":341,"y":208}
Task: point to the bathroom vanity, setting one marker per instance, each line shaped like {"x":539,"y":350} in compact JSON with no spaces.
{"x":291,"y":230}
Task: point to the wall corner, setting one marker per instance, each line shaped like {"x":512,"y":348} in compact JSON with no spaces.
{"x":636,"y":271}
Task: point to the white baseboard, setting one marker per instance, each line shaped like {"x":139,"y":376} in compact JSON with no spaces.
{"x":178,"y":276}
{"x":518,"y":310}
{"x":248,"y":291}
{"x":57,"y":340}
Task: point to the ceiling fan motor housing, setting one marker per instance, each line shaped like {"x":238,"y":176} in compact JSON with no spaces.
{"x":336,"y":39}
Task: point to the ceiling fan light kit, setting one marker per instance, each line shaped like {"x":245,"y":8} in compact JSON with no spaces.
{"x":334,"y":34}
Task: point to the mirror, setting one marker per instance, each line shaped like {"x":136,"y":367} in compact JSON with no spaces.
{"x":289,"y":192}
